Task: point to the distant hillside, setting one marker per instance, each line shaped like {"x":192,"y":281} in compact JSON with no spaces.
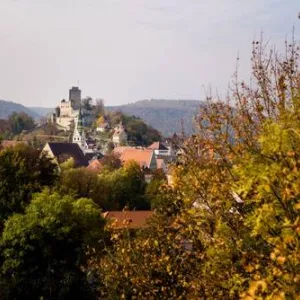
{"x":167,"y":116}
{"x":8,"y":107}
{"x":42,"y":111}
{"x":164,"y":115}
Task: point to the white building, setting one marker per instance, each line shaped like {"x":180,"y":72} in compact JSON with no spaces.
{"x":68,"y":110}
{"x":120,"y":135}
{"x":161,"y":150}
{"x":78,"y":134}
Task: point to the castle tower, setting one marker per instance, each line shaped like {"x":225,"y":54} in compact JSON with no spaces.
{"x":79,"y":135}
{"x":75,"y":97}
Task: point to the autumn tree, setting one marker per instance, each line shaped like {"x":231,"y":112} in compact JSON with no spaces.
{"x":235,"y":199}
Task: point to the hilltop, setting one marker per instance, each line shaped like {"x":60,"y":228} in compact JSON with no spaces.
{"x":167,"y":116}
{"x":8,"y":107}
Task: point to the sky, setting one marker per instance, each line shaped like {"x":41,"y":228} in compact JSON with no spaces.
{"x":126,"y":50}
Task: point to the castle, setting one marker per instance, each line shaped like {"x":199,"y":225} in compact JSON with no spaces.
{"x":67,"y":111}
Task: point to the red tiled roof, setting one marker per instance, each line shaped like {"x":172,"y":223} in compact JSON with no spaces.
{"x":128,"y":219}
{"x":141,"y":156}
{"x":63,"y":151}
{"x":121,"y":149}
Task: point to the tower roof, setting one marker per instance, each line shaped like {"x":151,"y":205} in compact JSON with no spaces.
{"x":79,"y":125}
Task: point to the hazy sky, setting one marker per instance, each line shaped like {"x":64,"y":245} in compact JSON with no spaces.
{"x":127,"y":50}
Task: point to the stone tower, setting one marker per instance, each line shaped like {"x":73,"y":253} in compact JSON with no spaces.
{"x":75,"y":97}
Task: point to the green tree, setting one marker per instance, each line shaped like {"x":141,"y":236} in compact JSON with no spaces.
{"x":44,"y":250}
{"x":23,"y":171}
{"x":269,"y":185}
{"x":20,"y":122}
{"x":152,"y":191}
{"x":123,"y":187}
{"x":139,"y":132}
{"x":87,"y":103}
{"x":79,"y":182}
{"x":111,"y":161}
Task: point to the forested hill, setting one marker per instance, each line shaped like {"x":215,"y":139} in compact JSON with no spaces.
{"x":167,"y":116}
{"x":8,"y":107}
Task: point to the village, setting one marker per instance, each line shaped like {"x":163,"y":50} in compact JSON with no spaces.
{"x":90,"y":140}
{"x":150,"y":150}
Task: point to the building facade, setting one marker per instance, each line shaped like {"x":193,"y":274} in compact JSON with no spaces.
{"x":67,"y":111}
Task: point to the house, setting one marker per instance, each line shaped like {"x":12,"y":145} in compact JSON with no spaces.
{"x":120,"y":135}
{"x":161,"y":150}
{"x":102,"y":127}
{"x":161,"y":165}
{"x":91,"y":155}
{"x":128,"y":219}
{"x":61,"y":152}
{"x":144,"y":157}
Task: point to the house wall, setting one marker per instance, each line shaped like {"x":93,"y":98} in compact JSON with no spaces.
{"x":65,"y":108}
{"x":153,"y":164}
{"x":49,"y":153}
{"x":64,"y":122}
{"x":120,"y":138}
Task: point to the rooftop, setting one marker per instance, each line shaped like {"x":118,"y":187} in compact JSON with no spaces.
{"x":141,"y":156}
{"x":128,"y":219}
{"x":158,"y":146}
{"x":63,"y":151}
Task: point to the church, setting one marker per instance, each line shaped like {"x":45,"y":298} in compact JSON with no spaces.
{"x":78,"y":134}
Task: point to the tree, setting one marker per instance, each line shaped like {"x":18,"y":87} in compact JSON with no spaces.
{"x":44,"y":251}
{"x":234,"y":204}
{"x":79,"y":182}
{"x":87,"y":103}
{"x":152,"y":191}
{"x":140,"y":133}
{"x":149,"y":263}
{"x":23,"y":172}
{"x":111,"y":161}
{"x":20,"y":121}
{"x":99,"y":107}
{"x":268,"y":185}
{"x":122,"y":187}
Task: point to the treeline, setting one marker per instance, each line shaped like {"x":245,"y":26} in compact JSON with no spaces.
{"x":50,"y":216}
{"x":16,"y":123}
{"x":167,"y":116}
{"x":139,"y":133}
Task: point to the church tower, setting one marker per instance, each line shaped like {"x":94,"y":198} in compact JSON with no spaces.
{"x":78,"y":135}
